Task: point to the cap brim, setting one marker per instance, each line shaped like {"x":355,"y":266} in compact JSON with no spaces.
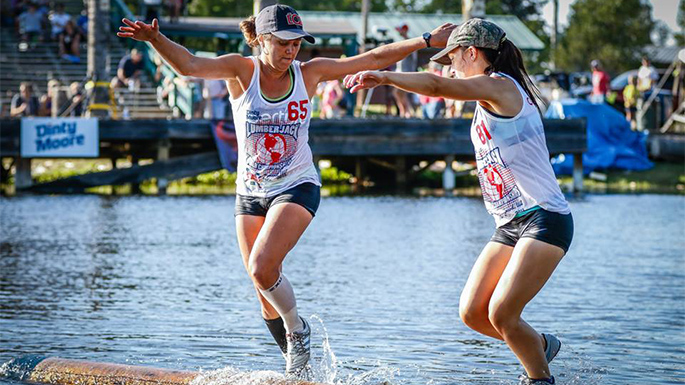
{"x":442,"y":58}
{"x":290,"y":34}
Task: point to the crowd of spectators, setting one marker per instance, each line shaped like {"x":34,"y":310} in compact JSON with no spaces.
{"x":34,"y":21}
{"x":633,"y":95}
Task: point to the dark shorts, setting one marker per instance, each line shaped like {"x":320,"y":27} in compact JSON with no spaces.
{"x":307,"y":195}
{"x":546,"y":226}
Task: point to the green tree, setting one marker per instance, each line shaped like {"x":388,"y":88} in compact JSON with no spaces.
{"x":442,"y":6}
{"x":529,"y":12}
{"x":612,"y":31}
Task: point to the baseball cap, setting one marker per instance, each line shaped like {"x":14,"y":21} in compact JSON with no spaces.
{"x":478,"y":33}
{"x":283,"y":22}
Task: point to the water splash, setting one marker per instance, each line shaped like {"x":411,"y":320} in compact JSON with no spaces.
{"x":575,"y":368}
{"x":325,"y":367}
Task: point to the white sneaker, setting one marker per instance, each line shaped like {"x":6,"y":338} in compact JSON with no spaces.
{"x":297,"y":355}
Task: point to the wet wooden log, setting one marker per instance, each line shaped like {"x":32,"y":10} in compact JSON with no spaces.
{"x":59,"y":371}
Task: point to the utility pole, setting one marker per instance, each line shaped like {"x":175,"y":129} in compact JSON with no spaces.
{"x":555,"y":34}
{"x":261,"y":4}
{"x":258,"y":6}
{"x":365,"y":25}
{"x":361,"y":95}
{"x":472,"y":8}
{"x":98,"y":55}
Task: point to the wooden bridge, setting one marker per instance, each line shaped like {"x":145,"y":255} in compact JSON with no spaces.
{"x":186,"y":148}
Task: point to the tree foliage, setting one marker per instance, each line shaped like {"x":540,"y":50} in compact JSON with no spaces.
{"x":612,"y":31}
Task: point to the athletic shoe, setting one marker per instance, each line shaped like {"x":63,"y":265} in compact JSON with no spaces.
{"x":525,"y":380}
{"x":297,"y":356}
{"x":552,"y":348}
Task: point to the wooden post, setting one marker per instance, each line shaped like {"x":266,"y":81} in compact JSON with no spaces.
{"x":135,"y":187}
{"x":448,"y":175}
{"x":577,"y":173}
{"x":98,"y":53}
{"x":401,"y":171}
{"x":359,"y":170}
{"x":22,"y":174}
{"x":163,"y":154}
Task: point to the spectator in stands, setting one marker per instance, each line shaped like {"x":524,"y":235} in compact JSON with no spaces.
{"x":58,"y":20}
{"x":30,"y":24}
{"x":408,"y":64}
{"x":69,"y":41}
{"x":76,"y":98}
{"x":152,"y":9}
{"x":129,"y":70}
{"x":331,"y":96}
{"x":82,"y":24}
{"x":175,"y":8}
{"x":24,"y":103}
{"x":216,"y":93}
{"x":630,"y":97}
{"x":600,"y":83}
{"x":646,"y":76}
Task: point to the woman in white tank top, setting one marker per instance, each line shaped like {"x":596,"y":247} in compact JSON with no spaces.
{"x":277,"y":186}
{"x":534,"y":227}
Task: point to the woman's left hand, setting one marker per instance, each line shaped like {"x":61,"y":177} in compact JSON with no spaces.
{"x":440,"y":35}
{"x":364,"y":80}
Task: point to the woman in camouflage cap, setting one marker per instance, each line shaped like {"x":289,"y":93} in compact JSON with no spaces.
{"x":534,"y":226}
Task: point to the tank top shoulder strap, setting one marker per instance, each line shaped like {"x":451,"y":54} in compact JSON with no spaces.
{"x":518,"y":86}
{"x":299,"y":79}
{"x":253,"y":81}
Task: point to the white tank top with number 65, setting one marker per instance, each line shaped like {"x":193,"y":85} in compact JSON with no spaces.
{"x":273,"y":149}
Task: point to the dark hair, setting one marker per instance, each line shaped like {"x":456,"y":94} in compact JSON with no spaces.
{"x":249,"y":30}
{"x":508,"y":60}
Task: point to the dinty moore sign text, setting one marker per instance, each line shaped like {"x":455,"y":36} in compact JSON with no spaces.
{"x":59,"y":138}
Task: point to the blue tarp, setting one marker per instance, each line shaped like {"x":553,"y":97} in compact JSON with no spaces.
{"x":610,"y":142}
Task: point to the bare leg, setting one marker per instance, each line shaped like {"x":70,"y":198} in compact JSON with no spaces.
{"x":283,"y":226}
{"x":530,"y":266}
{"x":485,"y":273}
{"x":248,"y":227}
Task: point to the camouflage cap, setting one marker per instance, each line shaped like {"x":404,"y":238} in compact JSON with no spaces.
{"x":478,"y":33}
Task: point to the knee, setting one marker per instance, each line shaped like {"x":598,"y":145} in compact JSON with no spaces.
{"x":473,"y":316}
{"x":263,"y":274}
{"x":502,"y":317}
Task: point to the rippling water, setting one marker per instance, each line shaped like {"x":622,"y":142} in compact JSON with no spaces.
{"x":158,"y":281}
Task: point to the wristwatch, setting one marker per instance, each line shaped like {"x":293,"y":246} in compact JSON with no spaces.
{"x":427,"y":37}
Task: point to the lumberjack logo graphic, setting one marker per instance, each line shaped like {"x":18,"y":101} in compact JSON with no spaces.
{"x":495,"y":179}
{"x":271,"y":142}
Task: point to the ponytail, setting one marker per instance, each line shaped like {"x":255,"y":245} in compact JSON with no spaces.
{"x":508,"y":59}
{"x":249,"y":30}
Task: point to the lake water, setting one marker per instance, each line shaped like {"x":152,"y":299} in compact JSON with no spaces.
{"x":158,"y":281}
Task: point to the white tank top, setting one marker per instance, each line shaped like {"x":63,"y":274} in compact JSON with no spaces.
{"x":514,"y":169}
{"x":273,"y":149}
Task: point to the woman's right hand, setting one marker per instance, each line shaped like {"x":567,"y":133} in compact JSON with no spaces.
{"x":139,"y":30}
{"x":364,"y":80}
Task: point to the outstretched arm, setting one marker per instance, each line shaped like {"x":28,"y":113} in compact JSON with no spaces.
{"x":323,"y":69}
{"x":178,"y":57}
{"x":474,"y":88}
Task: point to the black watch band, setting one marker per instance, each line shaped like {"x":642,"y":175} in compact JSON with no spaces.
{"x":427,"y":38}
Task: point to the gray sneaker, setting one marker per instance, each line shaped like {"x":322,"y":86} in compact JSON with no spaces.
{"x":552,"y":348}
{"x":525,"y":380}
{"x":297,"y":355}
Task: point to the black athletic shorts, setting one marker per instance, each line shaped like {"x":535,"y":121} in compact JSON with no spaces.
{"x":307,"y":195}
{"x":546,"y":226}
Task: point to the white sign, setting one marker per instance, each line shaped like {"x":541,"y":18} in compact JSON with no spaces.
{"x":59,"y":138}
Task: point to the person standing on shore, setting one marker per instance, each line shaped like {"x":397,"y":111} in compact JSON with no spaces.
{"x":534,"y":226}
{"x":277,"y":185}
